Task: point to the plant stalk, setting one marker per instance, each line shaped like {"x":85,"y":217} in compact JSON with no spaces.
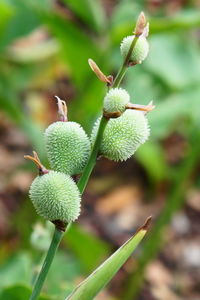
{"x":57,"y":237}
{"x":92,"y":159}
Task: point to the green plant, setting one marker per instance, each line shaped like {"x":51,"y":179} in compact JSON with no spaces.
{"x":56,"y":196}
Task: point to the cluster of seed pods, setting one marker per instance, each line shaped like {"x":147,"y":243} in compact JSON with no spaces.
{"x":54,"y":193}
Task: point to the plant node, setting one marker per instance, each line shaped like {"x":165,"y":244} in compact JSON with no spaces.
{"x":60,"y":225}
{"x":111,"y":115}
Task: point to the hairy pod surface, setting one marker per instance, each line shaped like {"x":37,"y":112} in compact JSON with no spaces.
{"x":55,"y":196}
{"x":68,"y":147}
{"x":116,"y":100}
{"x":123,"y":135}
{"x":140,"y":51}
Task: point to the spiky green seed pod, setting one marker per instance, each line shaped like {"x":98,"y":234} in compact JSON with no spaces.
{"x":67,"y":146}
{"x":116,"y":100}
{"x":55,"y":196}
{"x":140,"y":50}
{"x":123,"y":136}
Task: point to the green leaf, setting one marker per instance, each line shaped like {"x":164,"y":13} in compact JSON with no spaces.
{"x":64,"y":271}
{"x":125,"y":14}
{"x":175,"y":60}
{"x":171,"y":113}
{"x":75,"y":237}
{"x":18,"y":292}
{"x":10,"y":89}
{"x":12,"y":107}
{"x":184,"y":19}
{"x":90,"y":287}
{"x":93,"y":13}
{"x":16,"y":269}
{"x":14,"y":27}
{"x":83,"y":102}
{"x":6,"y":12}
{"x":124,"y":17}
{"x":151,"y":156}
{"x":142,"y":86}
{"x":75,"y":46}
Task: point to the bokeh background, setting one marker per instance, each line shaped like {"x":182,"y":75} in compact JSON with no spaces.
{"x":44,"y":48}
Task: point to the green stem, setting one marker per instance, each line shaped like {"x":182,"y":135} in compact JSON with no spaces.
{"x":81,"y":183}
{"x":57,"y":237}
{"x":174,"y":202}
{"x":125,"y":64}
{"x":92,"y":159}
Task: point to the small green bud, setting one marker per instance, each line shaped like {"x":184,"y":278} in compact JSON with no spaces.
{"x":55,"y":196}
{"x":67,"y":146}
{"x":116,"y":100}
{"x":123,"y":136}
{"x":140,"y":50}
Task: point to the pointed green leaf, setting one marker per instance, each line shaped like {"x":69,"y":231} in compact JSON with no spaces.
{"x":75,"y":237}
{"x":90,"y":287}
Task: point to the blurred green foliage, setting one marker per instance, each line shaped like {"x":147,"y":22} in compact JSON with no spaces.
{"x":72,"y":32}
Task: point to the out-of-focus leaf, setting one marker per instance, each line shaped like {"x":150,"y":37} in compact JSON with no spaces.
{"x":10,"y":104}
{"x":125,"y":14}
{"x":42,"y":51}
{"x":185,"y":19}
{"x":90,"y":11}
{"x":143,"y":86}
{"x":76,"y":47}
{"x":6,"y":12}
{"x":169,"y":115}
{"x":64,"y":271}
{"x":16,"y":270}
{"x":151,"y":156}
{"x":174,"y":60}
{"x":90,"y":287}
{"x":90,"y":103}
{"x":18,"y":292}
{"x":81,"y":243}
{"x":42,"y":6}
{"x":23,"y":21}
{"x":32,"y":131}
{"x":35,"y":135}
{"x":122,"y":26}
